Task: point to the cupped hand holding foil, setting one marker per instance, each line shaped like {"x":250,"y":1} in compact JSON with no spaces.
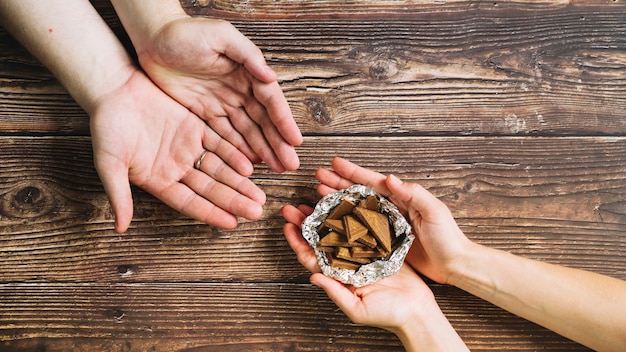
{"x":376,"y":270}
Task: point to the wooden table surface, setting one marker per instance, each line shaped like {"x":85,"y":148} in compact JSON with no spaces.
{"x":513,"y":113}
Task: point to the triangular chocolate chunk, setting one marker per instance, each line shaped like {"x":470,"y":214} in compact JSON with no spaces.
{"x":354,"y":228}
{"x":368,"y":240}
{"x":364,"y":252}
{"x":344,"y":253}
{"x":370,"y":203}
{"x":341,"y":263}
{"x":335,"y":225}
{"x":344,"y":208}
{"x":378,"y":224}
{"x":333,"y":239}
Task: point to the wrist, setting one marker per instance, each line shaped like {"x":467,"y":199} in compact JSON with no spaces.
{"x":72,"y":40}
{"x":143,"y":21}
{"x":469,"y":272}
{"x":108,"y":81}
{"x":429,"y":331}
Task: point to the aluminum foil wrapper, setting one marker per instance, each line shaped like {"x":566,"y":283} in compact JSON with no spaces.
{"x":371,"y":272}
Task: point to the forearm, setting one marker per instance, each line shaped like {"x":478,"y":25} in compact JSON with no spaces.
{"x":583,"y":306}
{"x":72,"y":41}
{"x":434,"y":334}
{"x":142,"y":19}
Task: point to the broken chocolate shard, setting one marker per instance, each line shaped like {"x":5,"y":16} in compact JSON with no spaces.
{"x":354,"y":228}
{"x":333,"y":239}
{"x":335,"y":225}
{"x":341,"y":263}
{"x":364,"y":252}
{"x":344,"y":253}
{"x":368,"y":240}
{"x":344,"y":208}
{"x":378,"y":224}
{"x":370,"y":203}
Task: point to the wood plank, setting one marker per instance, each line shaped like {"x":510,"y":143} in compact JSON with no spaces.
{"x":562,"y":200}
{"x":520,"y":67}
{"x":508,"y":70}
{"x":228,"y":317}
{"x":375,"y":8}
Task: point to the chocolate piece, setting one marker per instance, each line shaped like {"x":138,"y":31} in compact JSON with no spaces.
{"x":335,"y":225}
{"x":341,"y":263}
{"x":344,"y":253}
{"x":334,"y":239}
{"x":326,"y":249}
{"x":383,"y":252}
{"x":370,"y":203}
{"x":378,"y":224}
{"x":364,"y":252}
{"x":344,"y":208}
{"x":354,"y":228}
{"x":368,"y":240}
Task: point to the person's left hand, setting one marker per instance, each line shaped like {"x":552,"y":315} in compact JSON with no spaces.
{"x":394,"y":303}
{"x":221,"y":76}
{"x":141,"y":135}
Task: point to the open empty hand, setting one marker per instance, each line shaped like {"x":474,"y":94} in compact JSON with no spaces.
{"x":141,"y":135}
{"x":221,"y":76}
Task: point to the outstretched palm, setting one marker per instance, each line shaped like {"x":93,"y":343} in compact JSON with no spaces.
{"x":143,"y":136}
{"x":217,"y":73}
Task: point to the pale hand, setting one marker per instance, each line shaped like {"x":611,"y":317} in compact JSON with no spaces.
{"x":221,"y":76}
{"x":141,"y":135}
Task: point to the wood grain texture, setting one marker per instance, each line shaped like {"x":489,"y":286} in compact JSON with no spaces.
{"x":510,"y":112}
{"x":232,"y":317}
{"x":461,"y":68}
{"x":519,"y":194}
{"x":457,"y":68}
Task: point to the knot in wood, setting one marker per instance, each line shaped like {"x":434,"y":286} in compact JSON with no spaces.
{"x":126,"y":270}
{"x":28,"y":195}
{"x":27,"y":201}
{"x":383,"y":69}
{"x":318,"y":111}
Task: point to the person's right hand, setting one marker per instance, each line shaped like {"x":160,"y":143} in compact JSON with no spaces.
{"x":439,"y":246}
{"x":141,"y":135}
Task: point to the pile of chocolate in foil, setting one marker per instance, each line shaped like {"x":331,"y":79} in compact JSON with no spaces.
{"x":372,"y":272}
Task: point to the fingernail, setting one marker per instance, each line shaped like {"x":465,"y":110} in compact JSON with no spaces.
{"x":270,"y":71}
{"x":315,"y":283}
{"x":394,"y":180}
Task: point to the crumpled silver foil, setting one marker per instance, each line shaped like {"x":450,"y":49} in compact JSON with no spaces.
{"x":371,"y":272}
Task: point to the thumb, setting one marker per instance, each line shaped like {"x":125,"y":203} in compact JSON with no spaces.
{"x":242,"y":50}
{"x":338,"y":293}
{"x":259,"y":69}
{"x":114,"y":177}
{"x":413,"y":196}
